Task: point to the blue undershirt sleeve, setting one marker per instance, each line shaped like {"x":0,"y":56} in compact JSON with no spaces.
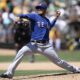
{"x":53,"y":22}
{"x":28,"y":16}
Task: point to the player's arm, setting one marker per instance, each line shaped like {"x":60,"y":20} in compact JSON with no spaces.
{"x":30,"y":16}
{"x":20,"y":17}
{"x":57,"y":15}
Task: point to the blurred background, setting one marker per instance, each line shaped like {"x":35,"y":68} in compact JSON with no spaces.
{"x":67,"y":26}
{"x":65,"y":34}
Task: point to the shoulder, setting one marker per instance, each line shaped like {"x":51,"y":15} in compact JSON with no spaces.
{"x":33,"y":13}
{"x":47,"y":18}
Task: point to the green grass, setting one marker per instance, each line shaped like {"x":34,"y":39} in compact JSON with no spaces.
{"x":70,"y":55}
{"x":66,"y":55}
{"x":34,"y":72}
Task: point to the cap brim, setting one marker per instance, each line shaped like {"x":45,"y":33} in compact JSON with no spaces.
{"x":40,"y":7}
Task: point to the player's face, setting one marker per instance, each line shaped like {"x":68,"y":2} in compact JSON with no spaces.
{"x":41,"y":11}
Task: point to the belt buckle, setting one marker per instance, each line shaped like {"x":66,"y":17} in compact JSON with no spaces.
{"x":34,"y":41}
{"x":40,"y":42}
{"x":43,"y":42}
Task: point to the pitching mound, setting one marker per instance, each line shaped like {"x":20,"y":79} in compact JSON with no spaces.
{"x":61,"y":76}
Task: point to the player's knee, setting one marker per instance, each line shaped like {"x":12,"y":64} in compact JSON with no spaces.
{"x":60,"y":62}
{"x":24,"y":50}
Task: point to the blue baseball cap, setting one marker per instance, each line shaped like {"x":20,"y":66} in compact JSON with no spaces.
{"x":42,"y":5}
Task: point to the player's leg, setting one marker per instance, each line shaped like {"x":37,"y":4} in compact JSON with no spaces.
{"x":52,"y":55}
{"x":58,"y":44}
{"x":32,"y":58}
{"x":21,"y":53}
{"x":51,"y":41}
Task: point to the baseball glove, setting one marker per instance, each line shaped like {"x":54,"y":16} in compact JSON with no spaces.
{"x":22,"y":23}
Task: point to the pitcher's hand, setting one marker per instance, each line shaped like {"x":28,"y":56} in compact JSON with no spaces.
{"x":58,"y":13}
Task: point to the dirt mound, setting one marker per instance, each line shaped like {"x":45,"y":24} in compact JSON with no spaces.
{"x":35,"y":66}
{"x":61,"y":76}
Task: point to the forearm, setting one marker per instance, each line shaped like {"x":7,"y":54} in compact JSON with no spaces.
{"x":22,"y":16}
{"x":54,"y":21}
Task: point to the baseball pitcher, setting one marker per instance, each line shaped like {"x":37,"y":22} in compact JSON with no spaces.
{"x":39,"y":41}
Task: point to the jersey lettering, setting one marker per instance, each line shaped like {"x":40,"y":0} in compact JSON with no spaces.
{"x":41,"y":24}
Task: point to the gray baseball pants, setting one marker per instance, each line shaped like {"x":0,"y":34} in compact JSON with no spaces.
{"x":44,"y":49}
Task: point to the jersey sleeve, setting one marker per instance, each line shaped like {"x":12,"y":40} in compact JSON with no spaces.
{"x":28,"y":16}
{"x":53,"y":22}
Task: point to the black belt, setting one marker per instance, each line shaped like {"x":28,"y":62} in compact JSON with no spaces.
{"x":39,"y":41}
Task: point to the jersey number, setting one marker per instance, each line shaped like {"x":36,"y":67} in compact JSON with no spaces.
{"x":40,"y":24}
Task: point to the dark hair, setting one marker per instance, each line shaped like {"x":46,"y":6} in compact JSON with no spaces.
{"x":42,"y":5}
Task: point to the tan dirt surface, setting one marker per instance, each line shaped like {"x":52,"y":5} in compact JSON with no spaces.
{"x":52,"y":77}
{"x":36,"y":66}
{"x":7,"y":52}
{"x":48,"y":77}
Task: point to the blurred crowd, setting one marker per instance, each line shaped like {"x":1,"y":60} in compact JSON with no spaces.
{"x":68,"y":24}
